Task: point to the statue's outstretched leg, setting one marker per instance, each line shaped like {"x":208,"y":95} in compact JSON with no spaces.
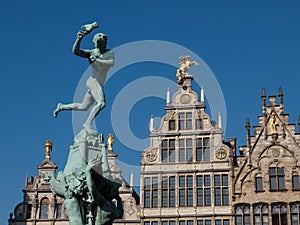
{"x":88,"y":100}
{"x":98,"y":95}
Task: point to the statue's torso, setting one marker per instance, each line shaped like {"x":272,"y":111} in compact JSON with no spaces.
{"x":100,"y":68}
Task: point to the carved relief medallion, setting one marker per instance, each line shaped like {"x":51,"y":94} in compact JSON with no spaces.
{"x":275,"y":152}
{"x":185,"y":99}
{"x":221,"y":153}
{"x":151,"y":155}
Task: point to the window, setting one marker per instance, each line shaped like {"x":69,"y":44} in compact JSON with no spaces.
{"x":199,"y":124}
{"x":242,"y":214}
{"x":207,"y":222}
{"x":28,"y":212}
{"x":295,"y":181}
{"x":221,"y":189}
{"x":185,"y":150}
{"x":186,"y":222}
{"x":154,"y":223}
{"x":44,"y":210}
{"x":221,"y":222}
{"x":185,"y":121}
{"x":203,"y":190}
{"x":164,"y":192}
{"x":168,"y":192}
{"x":146,"y":223}
{"x":168,"y":150}
{"x":258,"y":183}
{"x":295,"y":213}
{"x":171,"y":222}
{"x":202,"y":149}
{"x":261,"y":214}
{"x":58,"y":211}
{"x":150,"y":192}
{"x":199,"y":222}
{"x":276,"y":175}
{"x":154,"y":192}
{"x":203,"y":222}
{"x":147,"y":183}
{"x":225,"y":222}
{"x":186,"y":190}
{"x":172,"y":125}
{"x":199,"y":190}
{"x":172,"y":191}
{"x":218,"y":222}
{"x":279,"y":214}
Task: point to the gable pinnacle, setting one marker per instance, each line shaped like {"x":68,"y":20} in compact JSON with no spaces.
{"x":248,"y":132}
{"x":280,"y":95}
{"x":263,"y":97}
{"x":299,"y":122}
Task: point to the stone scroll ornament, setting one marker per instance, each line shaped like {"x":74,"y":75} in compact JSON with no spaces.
{"x":91,"y":194}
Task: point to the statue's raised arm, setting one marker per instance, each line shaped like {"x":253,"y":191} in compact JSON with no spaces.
{"x":85,"y":30}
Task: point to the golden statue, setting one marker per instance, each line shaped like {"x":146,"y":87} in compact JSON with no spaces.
{"x":185,"y":64}
{"x":110,"y":142}
{"x":48,"y":148}
{"x":273,"y":124}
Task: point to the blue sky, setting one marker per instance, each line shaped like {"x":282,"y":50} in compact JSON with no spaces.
{"x":247,"y":44}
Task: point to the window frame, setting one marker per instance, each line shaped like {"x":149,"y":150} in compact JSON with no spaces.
{"x":277,"y":178}
{"x":168,"y":150}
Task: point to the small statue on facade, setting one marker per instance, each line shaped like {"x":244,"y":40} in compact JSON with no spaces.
{"x":48,"y":149}
{"x":185,"y":64}
{"x":110,"y":142}
{"x":273,"y":124}
{"x":100,"y":59}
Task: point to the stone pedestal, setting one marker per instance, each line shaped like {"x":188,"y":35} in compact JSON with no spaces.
{"x":88,"y":148}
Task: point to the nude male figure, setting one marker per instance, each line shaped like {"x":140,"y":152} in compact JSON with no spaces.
{"x":100,"y":59}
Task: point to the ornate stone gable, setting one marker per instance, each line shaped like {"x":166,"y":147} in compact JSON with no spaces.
{"x":268,"y":168}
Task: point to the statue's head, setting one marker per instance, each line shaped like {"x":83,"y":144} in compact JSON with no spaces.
{"x":100,"y":40}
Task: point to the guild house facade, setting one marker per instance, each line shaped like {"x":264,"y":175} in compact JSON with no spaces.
{"x":190,"y":175}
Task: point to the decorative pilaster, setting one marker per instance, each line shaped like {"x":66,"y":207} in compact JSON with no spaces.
{"x":248,"y":142}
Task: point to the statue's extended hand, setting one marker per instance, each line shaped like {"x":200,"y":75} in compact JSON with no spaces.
{"x":86,"y":29}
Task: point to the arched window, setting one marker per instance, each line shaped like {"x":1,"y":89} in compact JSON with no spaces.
{"x":261,"y":214}
{"x":44,"y":209}
{"x":279,"y":214}
{"x":295,"y":213}
{"x":242,"y":214}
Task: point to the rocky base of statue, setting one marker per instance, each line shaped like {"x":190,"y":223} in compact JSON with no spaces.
{"x":86,"y":183}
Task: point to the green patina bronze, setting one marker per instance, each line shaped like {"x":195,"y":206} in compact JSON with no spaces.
{"x":86,"y":183}
{"x":100,"y":59}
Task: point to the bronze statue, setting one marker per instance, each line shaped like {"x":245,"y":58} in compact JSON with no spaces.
{"x":100,"y":59}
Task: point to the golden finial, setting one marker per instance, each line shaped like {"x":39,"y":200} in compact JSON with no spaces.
{"x":48,"y":148}
{"x":273,"y":124}
{"x":110,"y":142}
{"x":185,"y":64}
